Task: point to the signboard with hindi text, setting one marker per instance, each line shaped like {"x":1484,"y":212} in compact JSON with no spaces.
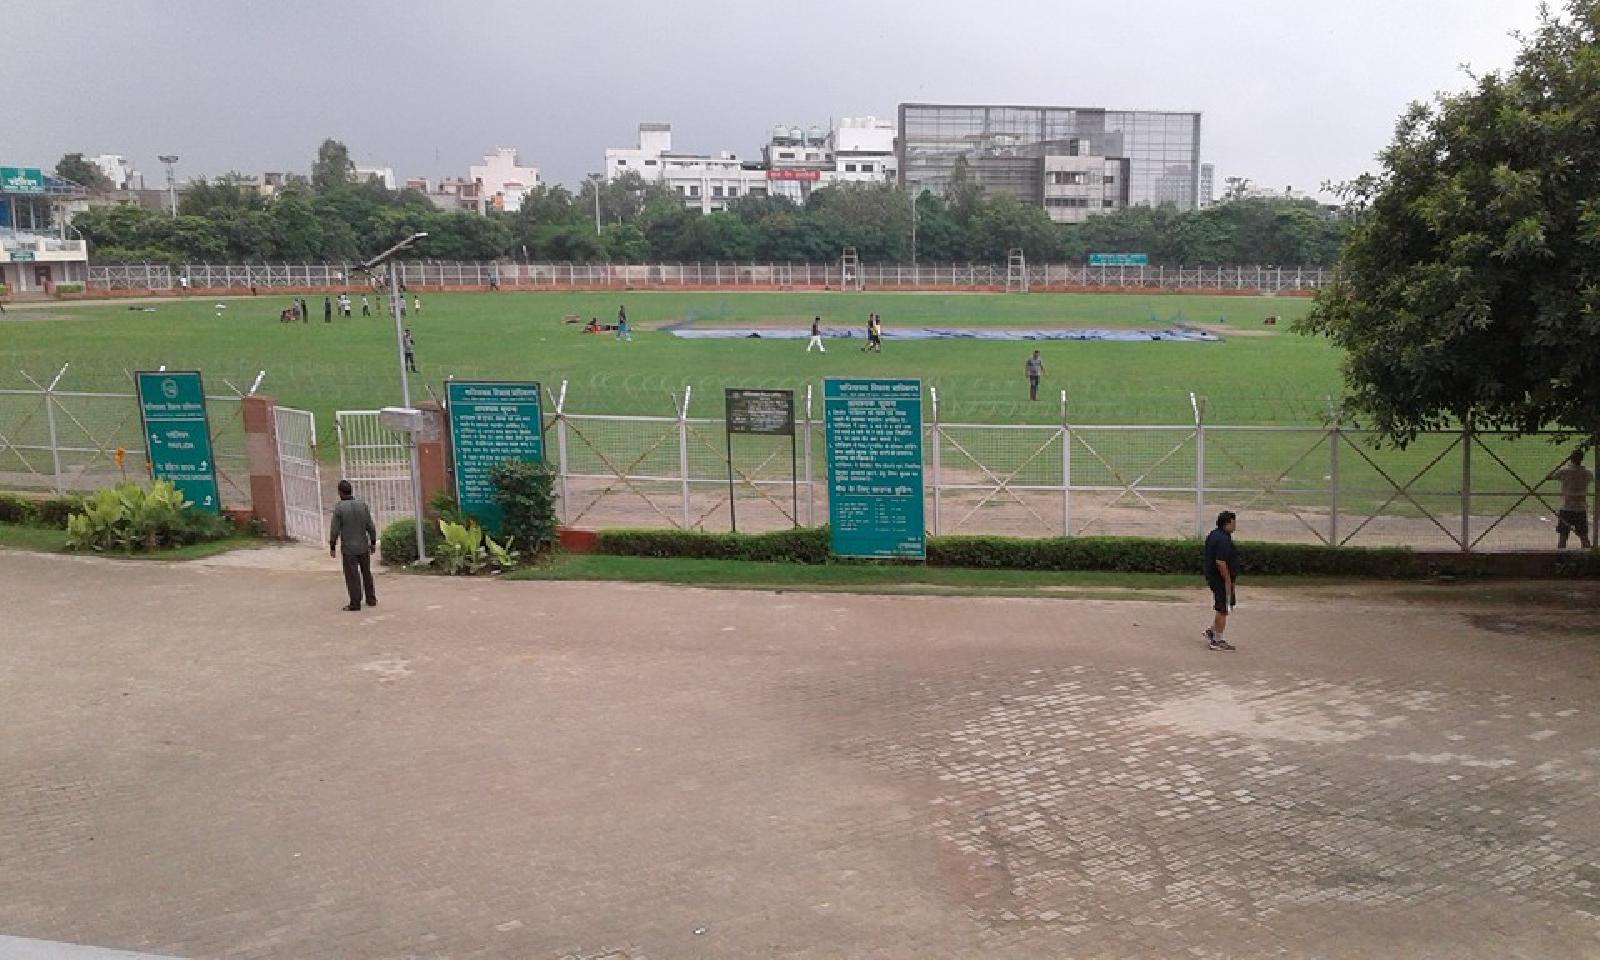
{"x":874,"y":430}
{"x":760,"y":411}
{"x":491,"y":422}
{"x":177,"y":434}
{"x":21,"y":180}
{"x":1119,"y":259}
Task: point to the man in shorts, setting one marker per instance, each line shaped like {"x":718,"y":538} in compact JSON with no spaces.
{"x":1573,"y":517}
{"x":1221,"y":568}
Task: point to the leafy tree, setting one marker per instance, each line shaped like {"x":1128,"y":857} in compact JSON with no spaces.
{"x":333,"y":167}
{"x":74,"y":167}
{"x":227,"y":194}
{"x":1470,"y":283}
{"x":296,"y":229}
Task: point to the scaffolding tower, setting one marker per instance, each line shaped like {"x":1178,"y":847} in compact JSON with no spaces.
{"x":1016,"y":271}
{"x":850,"y":271}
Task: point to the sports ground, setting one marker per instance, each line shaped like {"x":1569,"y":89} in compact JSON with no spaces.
{"x":1256,"y":374}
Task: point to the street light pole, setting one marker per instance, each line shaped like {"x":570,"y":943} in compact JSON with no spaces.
{"x":395,"y":301}
{"x":172,"y":190}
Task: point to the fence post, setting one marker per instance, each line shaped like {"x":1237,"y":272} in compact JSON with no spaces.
{"x":1198,"y":406}
{"x":811,"y":484}
{"x":1066,"y":469}
{"x":683,"y":450}
{"x":933,"y":393}
{"x":266,"y":468}
{"x":1594,"y":513}
{"x":1466,"y":484}
{"x":561,"y":448}
{"x":50,"y":424}
{"x":1333,"y":483}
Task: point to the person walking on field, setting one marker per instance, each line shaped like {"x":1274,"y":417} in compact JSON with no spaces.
{"x":1035,"y":369}
{"x":366,"y":306}
{"x":353,"y":532}
{"x":416,"y":303}
{"x":1222,"y":570}
{"x":1573,"y":517}
{"x":410,"y":351}
{"x":816,"y":336}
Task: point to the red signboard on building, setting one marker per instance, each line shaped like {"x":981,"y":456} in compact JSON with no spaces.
{"x":794,"y":174}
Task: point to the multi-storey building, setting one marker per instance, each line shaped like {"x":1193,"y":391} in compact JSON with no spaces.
{"x":1050,"y":156}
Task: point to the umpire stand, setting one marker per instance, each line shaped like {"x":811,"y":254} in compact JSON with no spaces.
{"x":850,"y":271}
{"x":1016,"y":271}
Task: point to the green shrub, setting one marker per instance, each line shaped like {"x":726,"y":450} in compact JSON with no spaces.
{"x":132,"y":518}
{"x":1130,"y":554}
{"x":525,"y":492}
{"x":802,"y":545}
{"x":69,"y":288}
{"x":464,"y":549}
{"x":54,"y":512}
{"x":398,"y":544}
{"x":443,"y":506}
{"x":15,"y":509}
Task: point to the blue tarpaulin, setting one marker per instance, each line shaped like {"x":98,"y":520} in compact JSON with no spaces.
{"x":954,"y":333}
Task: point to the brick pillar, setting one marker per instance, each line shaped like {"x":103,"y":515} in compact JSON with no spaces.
{"x":433,"y":451}
{"x":261,"y":447}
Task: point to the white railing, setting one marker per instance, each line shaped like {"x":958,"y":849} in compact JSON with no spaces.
{"x":267,"y":277}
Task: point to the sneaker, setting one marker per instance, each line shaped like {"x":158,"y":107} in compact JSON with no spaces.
{"x":1209,"y":633}
{"x":1217,"y":643}
{"x":351,"y":608}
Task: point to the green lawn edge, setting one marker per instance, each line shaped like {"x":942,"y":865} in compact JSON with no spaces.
{"x":16,"y":536}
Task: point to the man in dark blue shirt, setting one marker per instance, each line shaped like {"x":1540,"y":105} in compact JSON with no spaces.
{"x":1221,"y":569}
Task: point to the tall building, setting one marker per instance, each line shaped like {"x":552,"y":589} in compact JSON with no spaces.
{"x":119,"y":171}
{"x":1072,"y":161}
{"x":384,"y":175}
{"x":700,"y":180}
{"x":502,"y":179}
{"x":1208,"y":184}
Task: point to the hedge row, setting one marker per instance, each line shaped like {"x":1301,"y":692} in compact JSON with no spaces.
{"x":1123,"y":554}
{"x":39,"y":511}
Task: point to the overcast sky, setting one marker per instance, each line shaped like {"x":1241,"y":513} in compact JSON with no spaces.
{"x":1293,"y":93}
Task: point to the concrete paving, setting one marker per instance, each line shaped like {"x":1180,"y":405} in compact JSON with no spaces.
{"x":212,"y":760}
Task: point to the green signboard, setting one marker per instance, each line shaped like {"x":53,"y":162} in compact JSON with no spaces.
{"x":178,"y":435}
{"x":21,"y":256}
{"x":491,"y":422}
{"x":21,"y":180}
{"x":1119,"y":259}
{"x":874,"y":430}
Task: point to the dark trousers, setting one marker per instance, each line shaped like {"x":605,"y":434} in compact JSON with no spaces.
{"x":1572,"y":521}
{"x":1033,"y":388}
{"x":358,"y":577}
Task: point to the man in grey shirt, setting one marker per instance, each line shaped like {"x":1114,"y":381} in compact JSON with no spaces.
{"x":1035,"y":369}
{"x":1573,"y":515}
{"x":353,"y":530}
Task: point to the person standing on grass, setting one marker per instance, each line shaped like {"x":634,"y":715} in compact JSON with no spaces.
{"x":305,"y":311}
{"x":1035,"y":369}
{"x":1574,"y":513}
{"x":410,"y":351}
{"x":327,"y":310}
{"x":816,"y":336}
{"x":366,"y":306}
{"x":624,"y":332}
{"x":416,"y":303}
{"x":352,"y":530}
{"x":1222,"y":569}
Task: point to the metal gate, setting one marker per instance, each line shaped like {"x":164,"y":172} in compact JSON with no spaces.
{"x":296,"y":432}
{"x":377,"y":463}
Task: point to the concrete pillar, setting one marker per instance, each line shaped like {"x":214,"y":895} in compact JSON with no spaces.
{"x":266,"y":476}
{"x":433,"y":451}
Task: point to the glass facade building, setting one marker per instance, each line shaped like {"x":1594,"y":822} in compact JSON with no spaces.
{"x":1156,"y":153}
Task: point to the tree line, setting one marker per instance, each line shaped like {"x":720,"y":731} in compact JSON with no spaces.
{"x":332,"y":216}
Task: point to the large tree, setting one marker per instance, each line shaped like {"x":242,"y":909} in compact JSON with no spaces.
{"x":333,"y":168}
{"x":1469,"y":285}
{"x":74,"y":167}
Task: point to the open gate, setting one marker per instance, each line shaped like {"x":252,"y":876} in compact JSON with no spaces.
{"x":377,"y":463}
{"x":296,"y":432}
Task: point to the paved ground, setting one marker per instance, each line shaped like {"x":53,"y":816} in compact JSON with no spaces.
{"x":214,"y":761}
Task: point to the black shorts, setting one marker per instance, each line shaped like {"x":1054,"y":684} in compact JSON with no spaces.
{"x":1219,"y":595}
{"x":1570,"y":520}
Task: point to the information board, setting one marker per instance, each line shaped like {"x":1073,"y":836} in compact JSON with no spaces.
{"x":874,"y":430}
{"x":177,"y":434}
{"x":768,"y":412}
{"x":491,"y":422}
{"x":1119,"y":259}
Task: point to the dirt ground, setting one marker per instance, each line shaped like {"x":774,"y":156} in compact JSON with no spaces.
{"x":211,"y":760}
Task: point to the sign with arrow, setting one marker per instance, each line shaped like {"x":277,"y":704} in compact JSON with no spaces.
{"x":178,"y":434}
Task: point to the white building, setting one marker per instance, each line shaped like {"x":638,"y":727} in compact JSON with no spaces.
{"x":701,"y":180}
{"x":502,"y":179}
{"x":1080,"y":183}
{"x":384,"y":175}
{"x":119,"y":171}
{"x":1208,"y":185}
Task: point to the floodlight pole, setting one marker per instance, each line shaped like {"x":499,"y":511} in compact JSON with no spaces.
{"x":172,"y":189}
{"x":396,"y":300}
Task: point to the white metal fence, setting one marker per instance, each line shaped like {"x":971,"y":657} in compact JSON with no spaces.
{"x":300,"y":476}
{"x":1454,"y":490}
{"x":243,"y":278}
{"x":59,"y":439}
{"x":377,"y":463}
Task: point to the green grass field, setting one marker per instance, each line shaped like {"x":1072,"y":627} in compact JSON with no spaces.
{"x":1257,"y":375}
